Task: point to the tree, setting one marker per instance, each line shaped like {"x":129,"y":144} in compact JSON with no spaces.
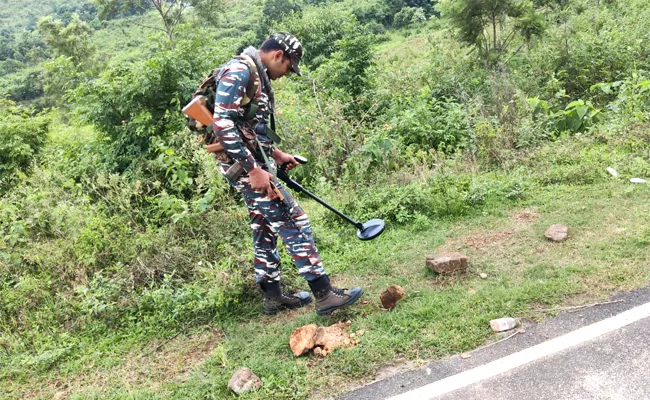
{"x":321,"y":27}
{"x":409,"y":15}
{"x":275,"y":10}
{"x":71,"y":41}
{"x":73,"y":63}
{"x":491,"y":25}
{"x":172,"y":12}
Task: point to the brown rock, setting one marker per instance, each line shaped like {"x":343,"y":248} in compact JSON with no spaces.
{"x":302,"y":339}
{"x":243,"y":381}
{"x":390,"y":296}
{"x":557,"y":233}
{"x":331,"y":337}
{"x":447,"y":263}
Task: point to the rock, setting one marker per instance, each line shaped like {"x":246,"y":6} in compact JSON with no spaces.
{"x":465,"y":356}
{"x":557,"y":233}
{"x":302,"y":339}
{"x":331,"y":337}
{"x":323,"y":340}
{"x":447,"y":263}
{"x":503,"y":324}
{"x":483,"y":275}
{"x":390,"y":296}
{"x":243,"y":381}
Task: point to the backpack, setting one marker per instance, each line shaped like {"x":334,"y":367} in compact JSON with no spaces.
{"x":207,"y":91}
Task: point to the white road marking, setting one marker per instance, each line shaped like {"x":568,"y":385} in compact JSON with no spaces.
{"x":526,"y":356}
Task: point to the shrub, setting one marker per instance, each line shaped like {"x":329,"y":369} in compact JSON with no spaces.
{"x":409,"y":15}
{"x":430,"y":122}
{"x":440,"y":196}
{"x":23,"y":135}
{"x":321,"y":29}
{"x":133,"y":103}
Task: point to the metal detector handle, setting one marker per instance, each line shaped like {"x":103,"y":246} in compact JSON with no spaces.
{"x":300,"y":159}
{"x":284,"y":176}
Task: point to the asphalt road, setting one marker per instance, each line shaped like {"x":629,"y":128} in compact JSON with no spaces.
{"x":598,"y":352}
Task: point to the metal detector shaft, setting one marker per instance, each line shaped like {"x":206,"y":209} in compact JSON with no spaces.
{"x":283,"y":176}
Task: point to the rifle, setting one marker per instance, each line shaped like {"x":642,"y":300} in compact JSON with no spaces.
{"x":197,"y":110}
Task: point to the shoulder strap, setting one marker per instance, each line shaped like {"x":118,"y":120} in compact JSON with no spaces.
{"x":254,"y":82}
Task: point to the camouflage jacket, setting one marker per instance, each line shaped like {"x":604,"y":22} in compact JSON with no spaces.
{"x":229,"y":127}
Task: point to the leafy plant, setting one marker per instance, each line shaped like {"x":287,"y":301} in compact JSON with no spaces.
{"x":23,"y":135}
{"x":577,"y":116}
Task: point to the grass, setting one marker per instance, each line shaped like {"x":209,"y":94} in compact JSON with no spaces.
{"x":440,"y":315}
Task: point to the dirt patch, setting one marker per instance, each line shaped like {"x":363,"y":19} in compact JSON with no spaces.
{"x":526,"y":217}
{"x":486,"y":239}
{"x":479,"y":241}
{"x":173,"y":362}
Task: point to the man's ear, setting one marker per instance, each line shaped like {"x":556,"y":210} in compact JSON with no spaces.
{"x":277,"y":56}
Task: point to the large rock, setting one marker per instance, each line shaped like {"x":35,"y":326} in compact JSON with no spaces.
{"x":447,"y":263}
{"x":243,"y":381}
{"x":557,"y":233}
{"x":390,"y":296}
{"x":329,"y":338}
{"x":302,"y":339}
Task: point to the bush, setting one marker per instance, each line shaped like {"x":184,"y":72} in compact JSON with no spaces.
{"x":321,"y":30}
{"x":23,"y":135}
{"x":347,"y":69}
{"x":440,"y":196}
{"x":131,"y":104}
{"x":430,"y":123}
{"x":407,"y":16}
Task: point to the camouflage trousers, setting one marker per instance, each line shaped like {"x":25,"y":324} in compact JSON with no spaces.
{"x":273,"y":217}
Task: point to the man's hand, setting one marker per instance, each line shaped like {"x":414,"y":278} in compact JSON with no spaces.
{"x":261,"y":181}
{"x":285,"y":159}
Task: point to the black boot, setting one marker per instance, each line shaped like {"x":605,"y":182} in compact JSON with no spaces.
{"x":330,"y":298}
{"x":275,"y":299}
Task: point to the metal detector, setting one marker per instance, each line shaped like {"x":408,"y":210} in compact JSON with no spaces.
{"x":367,"y":231}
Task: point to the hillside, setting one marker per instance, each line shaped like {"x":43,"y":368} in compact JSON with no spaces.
{"x":126,"y":263}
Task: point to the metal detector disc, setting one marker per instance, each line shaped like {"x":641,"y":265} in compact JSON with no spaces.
{"x":371,"y":229}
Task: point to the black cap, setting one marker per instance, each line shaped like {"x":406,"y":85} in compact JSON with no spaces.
{"x":292,"y":47}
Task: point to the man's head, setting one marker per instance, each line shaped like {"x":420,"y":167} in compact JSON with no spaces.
{"x":281,"y":53}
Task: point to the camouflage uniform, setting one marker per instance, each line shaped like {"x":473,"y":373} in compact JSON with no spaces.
{"x":269,"y":217}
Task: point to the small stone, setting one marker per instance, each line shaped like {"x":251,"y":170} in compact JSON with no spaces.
{"x":557,"y":233}
{"x":360,"y":332}
{"x":483,"y":275}
{"x":447,"y":263}
{"x":503,"y":324}
{"x":243,"y":381}
{"x":390,"y":296}
{"x":302,"y":339}
{"x":465,"y":356}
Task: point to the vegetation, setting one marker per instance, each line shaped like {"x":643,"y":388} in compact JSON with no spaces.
{"x":125,"y":259}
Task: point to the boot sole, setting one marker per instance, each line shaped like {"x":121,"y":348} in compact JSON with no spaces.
{"x":273,"y":311}
{"x":330,"y":310}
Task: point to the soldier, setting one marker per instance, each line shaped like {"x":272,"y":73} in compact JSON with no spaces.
{"x":241,"y":124}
